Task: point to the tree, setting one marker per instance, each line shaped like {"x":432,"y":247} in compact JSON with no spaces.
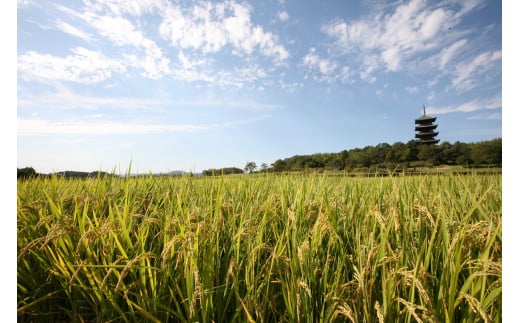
{"x":26,"y":172}
{"x":222,"y":171}
{"x":250,"y":167}
{"x":263,"y":167}
{"x":279,"y":165}
{"x":487,"y":152}
{"x":426,"y":153}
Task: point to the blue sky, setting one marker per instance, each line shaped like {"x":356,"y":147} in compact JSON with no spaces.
{"x":192,"y":85}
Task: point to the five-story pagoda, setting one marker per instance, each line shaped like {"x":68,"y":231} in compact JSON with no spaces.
{"x":424,"y":129}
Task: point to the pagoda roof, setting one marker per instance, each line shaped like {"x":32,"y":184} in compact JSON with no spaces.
{"x":429,"y":141}
{"x":422,"y":127}
{"x":425,"y":118}
{"x":426,"y":134}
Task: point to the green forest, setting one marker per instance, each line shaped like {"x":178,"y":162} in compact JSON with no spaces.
{"x":410,"y":154}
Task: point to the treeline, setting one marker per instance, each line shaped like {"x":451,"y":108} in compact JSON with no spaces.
{"x":222,"y":171}
{"x":395,"y":156}
{"x":29,"y":172}
{"x":26,"y":172}
{"x":411,"y":154}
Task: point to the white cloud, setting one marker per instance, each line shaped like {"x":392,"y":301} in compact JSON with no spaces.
{"x":469,"y":5}
{"x":39,"y":127}
{"x":154,"y":66}
{"x":449,"y":52}
{"x":196,"y":69}
{"x":24,"y":3}
{"x":471,"y":106}
{"x":312,"y":60}
{"x":64,"y":99}
{"x":121,"y":7}
{"x":118,"y":29}
{"x":391,"y":56}
{"x":186,"y":63}
{"x":73,"y":31}
{"x":83,"y":66}
{"x":490,"y":116}
{"x":36,"y":127}
{"x":392,"y":39}
{"x":469,"y":74}
{"x":240,"y":122}
{"x":211,"y":27}
{"x":240,"y":76}
{"x":412,"y":89}
{"x":67,"y":11}
{"x":368,"y":67}
{"x":283,"y":16}
{"x":197,"y":30}
{"x":325,"y":69}
{"x":237,"y":77}
{"x":193,"y":75}
{"x":123,"y":33}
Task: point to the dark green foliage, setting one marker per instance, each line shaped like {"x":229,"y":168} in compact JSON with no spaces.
{"x":26,"y":172}
{"x":75,"y":174}
{"x":222,"y":171}
{"x":486,"y":153}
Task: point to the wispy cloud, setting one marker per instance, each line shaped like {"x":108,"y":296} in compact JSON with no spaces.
{"x":40,"y":127}
{"x":64,"y":99}
{"x":73,"y":31}
{"x":122,"y":7}
{"x":240,"y":122}
{"x":471,"y":106}
{"x":24,"y":3}
{"x":83,"y":66}
{"x":449,"y":52}
{"x":469,"y":74}
{"x":122,"y":32}
{"x":487,"y":116}
{"x":36,"y":127}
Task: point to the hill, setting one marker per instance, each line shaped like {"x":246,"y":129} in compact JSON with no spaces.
{"x":411,"y":154}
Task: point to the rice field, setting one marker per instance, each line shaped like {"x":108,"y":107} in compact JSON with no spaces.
{"x":266,"y":248}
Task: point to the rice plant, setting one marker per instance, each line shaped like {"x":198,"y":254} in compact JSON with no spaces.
{"x":266,"y":248}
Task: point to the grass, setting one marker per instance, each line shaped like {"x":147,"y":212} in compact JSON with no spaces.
{"x":282,"y":248}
